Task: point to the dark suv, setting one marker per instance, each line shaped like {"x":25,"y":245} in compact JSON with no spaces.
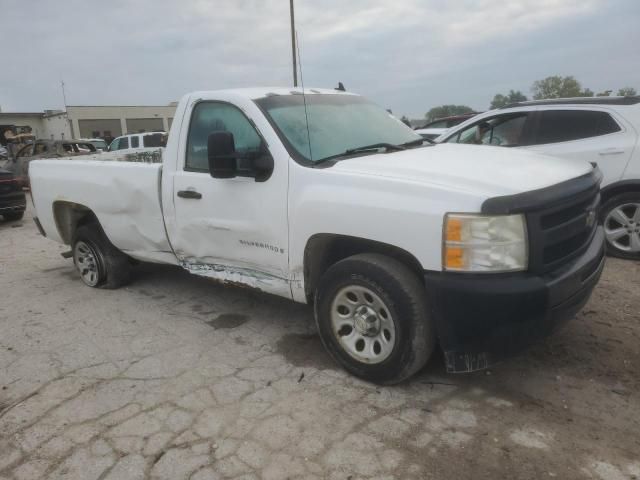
{"x":13,"y":201}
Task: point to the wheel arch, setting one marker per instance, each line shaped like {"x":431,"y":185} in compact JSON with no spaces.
{"x":68,"y":216}
{"x":617,"y":188}
{"x":325,"y":249}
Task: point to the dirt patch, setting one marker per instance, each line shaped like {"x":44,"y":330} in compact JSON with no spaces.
{"x":304,"y":350}
{"x":228,"y":320}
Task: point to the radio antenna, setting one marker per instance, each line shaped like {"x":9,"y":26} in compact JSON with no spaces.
{"x":304,"y":98}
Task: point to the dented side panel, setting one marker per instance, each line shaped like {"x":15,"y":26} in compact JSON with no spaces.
{"x":122,"y":194}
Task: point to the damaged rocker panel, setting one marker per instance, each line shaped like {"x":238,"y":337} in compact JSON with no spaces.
{"x":246,"y":277}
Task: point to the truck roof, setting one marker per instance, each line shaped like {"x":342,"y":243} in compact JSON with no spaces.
{"x":260,"y":92}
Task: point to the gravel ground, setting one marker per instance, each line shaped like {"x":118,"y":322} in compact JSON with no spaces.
{"x":175,"y":377}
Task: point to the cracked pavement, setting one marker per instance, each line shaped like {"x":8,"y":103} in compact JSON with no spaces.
{"x":176,"y":377}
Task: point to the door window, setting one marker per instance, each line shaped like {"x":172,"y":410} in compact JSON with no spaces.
{"x":124,"y":143}
{"x":503,"y":130}
{"x":135,"y":141}
{"x":565,"y":125}
{"x":209,"y":117}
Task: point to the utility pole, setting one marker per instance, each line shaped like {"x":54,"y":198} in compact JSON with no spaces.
{"x":293,"y":44}
{"x":64,"y":96}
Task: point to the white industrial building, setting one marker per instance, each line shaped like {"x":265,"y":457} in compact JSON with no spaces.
{"x":83,"y":121}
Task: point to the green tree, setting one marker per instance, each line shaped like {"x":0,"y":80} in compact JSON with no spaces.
{"x":512,"y":97}
{"x":627,"y":92}
{"x":559,"y":87}
{"x":447,"y":111}
{"x":606,"y":93}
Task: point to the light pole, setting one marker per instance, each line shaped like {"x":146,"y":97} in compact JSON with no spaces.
{"x":293,"y":44}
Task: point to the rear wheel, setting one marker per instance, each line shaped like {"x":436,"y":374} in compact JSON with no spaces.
{"x":621,"y":219}
{"x":372,"y":316}
{"x":99,"y":263}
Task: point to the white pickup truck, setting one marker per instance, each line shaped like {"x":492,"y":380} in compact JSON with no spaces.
{"x":326,"y":199}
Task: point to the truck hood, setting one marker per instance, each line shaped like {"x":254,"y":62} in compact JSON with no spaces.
{"x":482,"y":170}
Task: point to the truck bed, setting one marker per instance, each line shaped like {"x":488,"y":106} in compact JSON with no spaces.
{"x":122,"y":191}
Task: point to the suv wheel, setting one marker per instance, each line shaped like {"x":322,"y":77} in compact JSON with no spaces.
{"x":621,"y":218}
{"x":99,"y":263}
{"x":372,"y":316}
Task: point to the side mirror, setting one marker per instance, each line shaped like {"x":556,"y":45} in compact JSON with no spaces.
{"x":226,"y":162}
{"x":221,"y":153}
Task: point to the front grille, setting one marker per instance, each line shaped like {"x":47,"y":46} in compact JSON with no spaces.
{"x":563,"y":231}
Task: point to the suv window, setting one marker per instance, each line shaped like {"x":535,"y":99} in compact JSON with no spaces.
{"x":504,"y":130}
{"x":565,"y":125}
{"x":124,"y":143}
{"x":153,"y":140}
{"x":209,"y":117}
{"x":135,"y":141}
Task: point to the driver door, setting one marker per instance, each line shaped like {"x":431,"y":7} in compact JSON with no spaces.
{"x":230,"y":229}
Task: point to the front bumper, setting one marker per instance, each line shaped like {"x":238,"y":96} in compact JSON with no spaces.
{"x":483,"y":318}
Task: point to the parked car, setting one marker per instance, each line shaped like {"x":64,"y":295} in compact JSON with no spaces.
{"x":437,"y":127}
{"x":136,"y":141}
{"x":47,"y":149}
{"x":397,"y":244}
{"x":602,"y":130}
{"x":13,"y":201}
{"x":100,"y":144}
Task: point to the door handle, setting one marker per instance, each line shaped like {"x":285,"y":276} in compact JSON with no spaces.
{"x":189,"y":194}
{"x":611,"y":151}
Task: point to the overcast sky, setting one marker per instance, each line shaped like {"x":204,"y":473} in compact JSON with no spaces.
{"x":407,"y":55}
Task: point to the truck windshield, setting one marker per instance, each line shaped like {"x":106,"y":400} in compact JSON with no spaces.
{"x":338,"y":124}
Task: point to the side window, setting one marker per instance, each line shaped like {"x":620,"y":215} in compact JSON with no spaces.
{"x":135,"y":141}
{"x":124,"y":143}
{"x":504,"y":130}
{"x":209,"y":117}
{"x":566,"y":125}
{"x":153,"y":140}
{"x":115,"y":145}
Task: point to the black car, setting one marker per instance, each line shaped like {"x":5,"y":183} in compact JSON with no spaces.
{"x":13,"y":201}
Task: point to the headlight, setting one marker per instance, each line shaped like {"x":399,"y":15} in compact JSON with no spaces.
{"x":480,"y":243}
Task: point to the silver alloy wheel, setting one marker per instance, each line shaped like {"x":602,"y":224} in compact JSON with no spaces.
{"x":622,"y":227}
{"x":86,"y":261}
{"x":362,"y":324}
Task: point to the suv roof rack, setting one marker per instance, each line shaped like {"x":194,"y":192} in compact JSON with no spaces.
{"x":631,"y":100}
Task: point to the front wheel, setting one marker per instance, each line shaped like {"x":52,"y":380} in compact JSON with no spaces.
{"x":372,"y":316}
{"x":621,"y":218}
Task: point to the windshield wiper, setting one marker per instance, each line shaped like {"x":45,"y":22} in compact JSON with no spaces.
{"x":374,"y":146}
{"x":389,"y":147}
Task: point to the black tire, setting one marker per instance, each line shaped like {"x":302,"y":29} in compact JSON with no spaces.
{"x":112,"y":267}
{"x":13,"y":216}
{"x":402,"y":294}
{"x":619,"y":250}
